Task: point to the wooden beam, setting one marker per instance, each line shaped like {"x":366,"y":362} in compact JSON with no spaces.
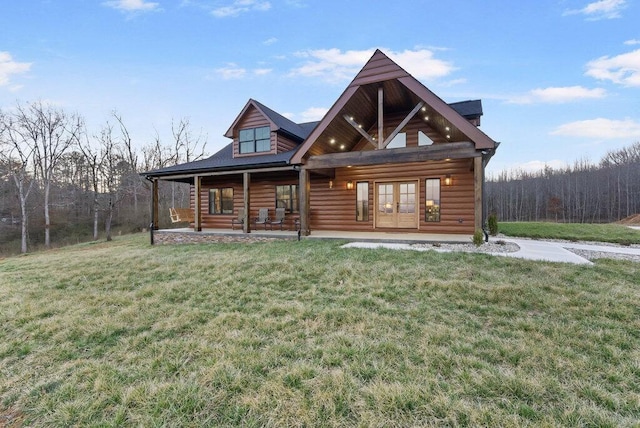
{"x":305,"y":191}
{"x":380,"y":117}
{"x":246,"y":199}
{"x":226,"y":172}
{"x":154,"y":205}
{"x":441,"y":151}
{"x":358,"y":128}
{"x":402,"y":124}
{"x":197,"y":211}
{"x":477,"y":189}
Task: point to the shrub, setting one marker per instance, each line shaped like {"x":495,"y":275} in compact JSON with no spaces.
{"x":493,"y":224}
{"x":478,"y":238}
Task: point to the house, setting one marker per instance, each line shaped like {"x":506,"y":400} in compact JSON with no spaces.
{"x":389,"y":156}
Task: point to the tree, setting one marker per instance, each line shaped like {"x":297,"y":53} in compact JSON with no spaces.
{"x":49,"y":133}
{"x":18,"y":156}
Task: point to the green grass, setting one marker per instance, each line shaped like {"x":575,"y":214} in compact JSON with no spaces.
{"x":572,"y":231}
{"x":309,"y":334}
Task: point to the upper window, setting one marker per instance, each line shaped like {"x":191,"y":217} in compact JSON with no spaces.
{"x":221,"y":200}
{"x":287,"y":198}
{"x":255,"y":140}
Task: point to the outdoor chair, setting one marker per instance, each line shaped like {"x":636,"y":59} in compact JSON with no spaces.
{"x":280,"y":214}
{"x":238,"y":220}
{"x":263,"y":218}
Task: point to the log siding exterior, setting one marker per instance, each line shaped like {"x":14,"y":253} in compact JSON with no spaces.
{"x":344,"y":147}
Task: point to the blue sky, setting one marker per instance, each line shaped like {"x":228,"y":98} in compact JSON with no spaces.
{"x":559,"y":79}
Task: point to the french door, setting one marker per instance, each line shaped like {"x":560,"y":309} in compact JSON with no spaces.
{"x":396,"y":204}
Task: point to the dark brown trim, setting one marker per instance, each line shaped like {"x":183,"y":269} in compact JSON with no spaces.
{"x":401,"y":155}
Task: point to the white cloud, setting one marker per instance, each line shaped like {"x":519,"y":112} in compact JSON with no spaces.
{"x":132,"y":5}
{"x":557,"y":95}
{"x":333,"y":65}
{"x":600,"y":128}
{"x":602,"y":9}
{"x":270,"y":41}
{"x":313,"y":114}
{"x":632,"y":42}
{"x":623,"y":69}
{"x":9,"y":67}
{"x":262,"y":71}
{"x":238,"y":7}
{"x":231,"y":71}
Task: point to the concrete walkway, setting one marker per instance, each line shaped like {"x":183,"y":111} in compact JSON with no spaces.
{"x":529,"y":249}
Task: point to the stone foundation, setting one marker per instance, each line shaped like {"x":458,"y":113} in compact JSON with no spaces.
{"x":164,"y":237}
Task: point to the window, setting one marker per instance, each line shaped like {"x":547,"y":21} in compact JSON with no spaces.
{"x":432,"y":193}
{"x":287,"y":197}
{"x":362,"y":201}
{"x":400,"y":140}
{"x":221,"y":200}
{"x":254,"y":140}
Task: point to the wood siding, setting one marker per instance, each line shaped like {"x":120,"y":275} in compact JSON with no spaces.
{"x":263,"y":195}
{"x":284,"y":144}
{"x":335,"y":209}
{"x":252,"y":119}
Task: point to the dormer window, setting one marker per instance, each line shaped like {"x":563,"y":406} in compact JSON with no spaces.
{"x":255,"y":140}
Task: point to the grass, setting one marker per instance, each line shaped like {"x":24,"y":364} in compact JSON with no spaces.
{"x":309,"y":334}
{"x":572,"y":231}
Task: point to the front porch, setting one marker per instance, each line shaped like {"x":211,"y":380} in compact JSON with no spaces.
{"x":188,"y":235}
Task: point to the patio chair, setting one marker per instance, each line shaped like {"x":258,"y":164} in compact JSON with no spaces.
{"x":263,"y":218}
{"x":280,"y":214}
{"x":238,"y":220}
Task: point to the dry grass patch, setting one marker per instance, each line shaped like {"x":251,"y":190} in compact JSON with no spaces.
{"x":307,"y":333}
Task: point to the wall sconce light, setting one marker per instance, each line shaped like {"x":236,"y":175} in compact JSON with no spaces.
{"x":349,"y":185}
{"x":330,"y":184}
{"x":448,"y":180}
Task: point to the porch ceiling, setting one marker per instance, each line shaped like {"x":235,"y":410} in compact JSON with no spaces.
{"x":340,"y":136}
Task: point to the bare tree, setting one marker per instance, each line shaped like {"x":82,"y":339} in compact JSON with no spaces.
{"x":18,"y":156}
{"x":94,"y":158}
{"x":49,"y":133}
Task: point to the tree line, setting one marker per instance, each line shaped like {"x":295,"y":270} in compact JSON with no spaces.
{"x":584,"y":192}
{"x":62,"y":183}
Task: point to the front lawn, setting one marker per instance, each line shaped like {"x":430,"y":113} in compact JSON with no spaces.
{"x":615,"y":233}
{"x":308,"y":334}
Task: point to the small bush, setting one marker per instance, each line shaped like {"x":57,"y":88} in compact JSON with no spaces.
{"x":478,"y":238}
{"x":493,"y":224}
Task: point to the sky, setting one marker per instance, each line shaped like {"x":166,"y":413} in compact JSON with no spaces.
{"x":559,"y":80}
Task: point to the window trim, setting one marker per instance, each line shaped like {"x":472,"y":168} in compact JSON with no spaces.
{"x":366,"y":208}
{"x":432,"y":215}
{"x":221,"y":190}
{"x":294,"y":198}
{"x":253,"y":142}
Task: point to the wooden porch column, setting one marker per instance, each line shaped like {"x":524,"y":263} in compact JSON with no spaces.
{"x":477,"y":188}
{"x":380,"y":117}
{"x":197,"y":209}
{"x":305,"y":190}
{"x":246,"y":182}
{"x":154,"y":204}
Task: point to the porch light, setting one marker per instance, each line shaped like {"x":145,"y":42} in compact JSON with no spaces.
{"x":448,"y":180}
{"x":349,"y":185}
{"x":330,"y":184}
{"x":332,"y":141}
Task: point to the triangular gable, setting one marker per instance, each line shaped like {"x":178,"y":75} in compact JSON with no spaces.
{"x":381,"y":68}
{"x":277,"y":122}
{"x":256,"y":105}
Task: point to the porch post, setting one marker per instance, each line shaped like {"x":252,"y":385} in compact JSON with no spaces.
{"x":380,"y":117}
{"x":154,"y":204}
{"x":305,"y":190}
{"x":477,"y":188}
{"x":197,"y":209}
{"x":246,"y":182}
